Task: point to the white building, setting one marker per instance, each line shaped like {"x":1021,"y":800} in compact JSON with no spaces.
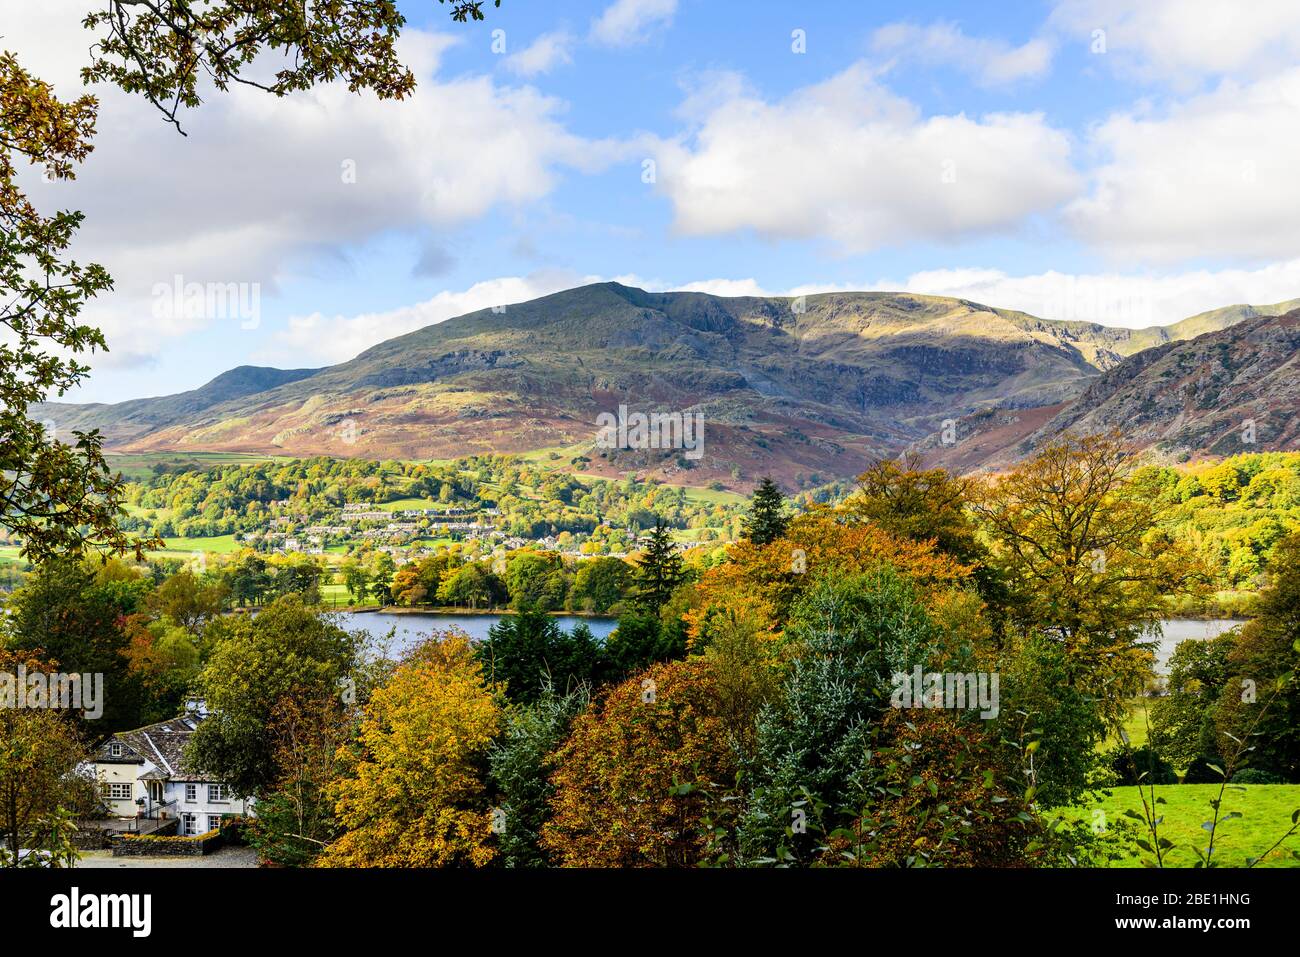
{"x":142,"y":773}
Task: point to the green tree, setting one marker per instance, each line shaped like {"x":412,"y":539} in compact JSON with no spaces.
{"x":529,"y":652}
{"x":766,"y":520}
{"x":853,"y":632}
{"x":600,"y":584}
{"x":72,"y":611}
{"x":520,"y":771}
{"x":287,"y":650}
{"x":660,"y":570}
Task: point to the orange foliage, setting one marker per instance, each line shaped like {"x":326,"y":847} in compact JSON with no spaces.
{"x":613,"y":805}
{"x":767,"y":579}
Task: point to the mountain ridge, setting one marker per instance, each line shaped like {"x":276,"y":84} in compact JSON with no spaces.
{"x":816,"y":385}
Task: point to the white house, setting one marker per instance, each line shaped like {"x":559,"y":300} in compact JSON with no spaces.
{"x":142,"y":774}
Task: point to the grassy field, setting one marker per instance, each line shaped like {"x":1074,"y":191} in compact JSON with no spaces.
{"x":184,"y":547}
{"x":1265,"y":810}
{"x":1135,"y":724}
{"x":334,"y":594}
{"x":140,"y":465}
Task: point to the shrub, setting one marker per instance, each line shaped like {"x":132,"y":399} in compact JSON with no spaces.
{"x":1255,"y":776}
{"x":1140,"y":766}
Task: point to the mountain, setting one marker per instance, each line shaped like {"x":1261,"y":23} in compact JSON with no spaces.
{"x":801,"y":388}
{"x":122,"y":422}
{"x":1233,"y":390}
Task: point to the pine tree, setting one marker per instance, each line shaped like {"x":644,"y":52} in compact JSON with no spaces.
{"x":766,"y":520}
{"x":659,"y":571}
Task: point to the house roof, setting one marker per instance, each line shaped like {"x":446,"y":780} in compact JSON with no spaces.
{"x":162,"y":744}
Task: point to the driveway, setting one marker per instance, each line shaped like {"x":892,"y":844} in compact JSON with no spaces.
{"x":224,"y":857}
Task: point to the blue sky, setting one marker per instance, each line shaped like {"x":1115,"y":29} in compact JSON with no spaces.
{"x":1084,"y":159}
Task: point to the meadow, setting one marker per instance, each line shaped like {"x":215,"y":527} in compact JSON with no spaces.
{"x":1266,"y":815}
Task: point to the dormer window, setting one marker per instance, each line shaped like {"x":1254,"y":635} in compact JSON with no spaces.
{"x":115,"y":750}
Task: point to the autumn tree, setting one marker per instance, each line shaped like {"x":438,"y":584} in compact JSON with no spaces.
{"x":1082,"y":548}
{"x":917,"y":504}
{"x":39,"y":750}
{"x":639,"y":772}
{"x":412,"y":793}
{"x":295,"y":820}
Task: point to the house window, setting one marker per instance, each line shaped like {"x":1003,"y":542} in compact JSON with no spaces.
{"x":189,"y":825}
{"x":214,"y":822}
{"x":115,"y":750}
{"x":191,"y":793}
{"x":118,"y":792}
{"x":218,"y":793}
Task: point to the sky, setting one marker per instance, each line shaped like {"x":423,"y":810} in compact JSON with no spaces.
{"x":1120,"y":162}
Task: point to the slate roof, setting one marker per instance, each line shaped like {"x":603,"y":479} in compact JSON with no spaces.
{"x":161,"y":744}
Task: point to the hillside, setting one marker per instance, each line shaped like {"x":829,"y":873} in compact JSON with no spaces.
{"x":805,"y":388}
{"x":1180,"y":399}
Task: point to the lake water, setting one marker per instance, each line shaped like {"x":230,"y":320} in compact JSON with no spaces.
{"x":413,"y":626}
{"x":1180,"y":629}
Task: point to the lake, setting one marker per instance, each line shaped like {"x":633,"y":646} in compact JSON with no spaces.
{"x":1180,"y":629}
{"x":412,"y":626}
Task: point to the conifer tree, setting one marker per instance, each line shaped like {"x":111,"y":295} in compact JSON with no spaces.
{"x":659,"y":571}
{"x":766,"y":520}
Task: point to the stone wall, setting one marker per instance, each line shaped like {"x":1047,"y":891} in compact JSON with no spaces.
{"x":153,"y":845}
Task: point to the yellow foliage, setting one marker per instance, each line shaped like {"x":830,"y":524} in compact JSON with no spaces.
{"x":412,"y":795}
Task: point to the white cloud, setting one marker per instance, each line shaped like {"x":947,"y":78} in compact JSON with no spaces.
{"x":626,"y":22}
{"x":990,"y":62}
{"x":262,"y":184}
{"x":318,"y":338}
{"x":543,"y":55}
{"x":1113,"y":299}
{"x":849,"y":161}
{"x":1212,"y":176}
{"x":1182,"y":41}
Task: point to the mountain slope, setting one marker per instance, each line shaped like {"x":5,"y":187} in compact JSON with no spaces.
{"x":1232,"y":390}
{"x":817,"y":386}
{"x":124,"y":421}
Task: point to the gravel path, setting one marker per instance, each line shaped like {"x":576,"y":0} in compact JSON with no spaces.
{"x":225,"y":857}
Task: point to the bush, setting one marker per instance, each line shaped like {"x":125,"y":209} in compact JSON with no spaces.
{"x":1140,"y":766}
{"x":1200,"y":771}
{"x":1255,"y":776}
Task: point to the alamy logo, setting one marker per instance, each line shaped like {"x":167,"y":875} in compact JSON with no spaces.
{"x":946,"y":689}
{"x":654,"y":430}
{"x":39,"y":690}
{"x":179,"y":299}
{"x":72,"y":910}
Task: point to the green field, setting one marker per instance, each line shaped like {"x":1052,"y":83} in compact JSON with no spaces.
{"x":715,"y":496}
{"x":216,"y":545}
{"x":138,"y":466}
{"x":1266,"y":811}
{"x":335,"y":595}
{"x":398,"y":505}
{"x":1135,"y":724}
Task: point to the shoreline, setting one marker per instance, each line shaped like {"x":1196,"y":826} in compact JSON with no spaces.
{"x":461,"y":612}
